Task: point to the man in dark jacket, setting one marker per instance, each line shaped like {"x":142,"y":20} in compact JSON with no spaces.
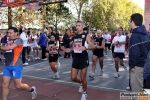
{"x":138,"y":51}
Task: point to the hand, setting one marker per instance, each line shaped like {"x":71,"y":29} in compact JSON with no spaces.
{"x":82,"y":48}
{"x":133,"y":70}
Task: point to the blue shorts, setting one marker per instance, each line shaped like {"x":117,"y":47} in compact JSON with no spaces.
{"x":13,"y":71}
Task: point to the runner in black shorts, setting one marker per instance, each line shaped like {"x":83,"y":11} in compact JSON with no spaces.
{"x":99,"y":44}
{"x":52,"y":47}
{"x":81,"y":61}
{"x":119,"y":42}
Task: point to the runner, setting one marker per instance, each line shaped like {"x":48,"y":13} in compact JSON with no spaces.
{"x":81,"y":61}
{"x":112,"y":46}
{"x":99,"y":44}
{"x":52,"y":47}
{"x":119,"y":42}
{"x":107,"y":38}
{"x":14,"y":65}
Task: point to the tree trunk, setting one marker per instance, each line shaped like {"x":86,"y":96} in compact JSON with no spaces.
{"x":9,"y":17}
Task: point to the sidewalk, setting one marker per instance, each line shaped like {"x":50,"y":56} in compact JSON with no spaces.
{"x":55,"y":91}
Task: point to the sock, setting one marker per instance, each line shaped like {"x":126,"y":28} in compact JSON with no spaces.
{"x":56,"y":73}
{"x":32,"y":90}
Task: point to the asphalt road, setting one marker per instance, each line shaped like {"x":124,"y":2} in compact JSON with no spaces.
{"x":40,"y":70}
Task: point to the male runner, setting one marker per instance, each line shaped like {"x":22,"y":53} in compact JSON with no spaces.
{"x":119,"y":42}
{"x":99,"y":44}
{"x":14,"y":65}
{"x":81,"y":61}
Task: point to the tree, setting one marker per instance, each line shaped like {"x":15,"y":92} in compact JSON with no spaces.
{"x":79,"y":5}
{"x":110,"y":14}
{"x":57,"y":14}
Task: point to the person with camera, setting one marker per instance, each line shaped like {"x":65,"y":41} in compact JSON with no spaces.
{"x":34,"y":45}
{"x":52,"y":48}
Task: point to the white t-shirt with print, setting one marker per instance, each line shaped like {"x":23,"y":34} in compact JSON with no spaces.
{"x":121,"y":47}
{"x":107,"y":38}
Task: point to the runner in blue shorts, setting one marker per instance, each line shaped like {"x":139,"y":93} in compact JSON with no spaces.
{"x":13,"y":64}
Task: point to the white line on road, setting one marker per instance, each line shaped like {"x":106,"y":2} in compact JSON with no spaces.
{"x":40,"y":63}
{"x":62,"y":81}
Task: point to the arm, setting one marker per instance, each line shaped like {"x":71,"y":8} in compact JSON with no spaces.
{"x":134,"y":51}
{"x":57,"y":45}
{"x":91,"y":45}
{"x":102,"y":46}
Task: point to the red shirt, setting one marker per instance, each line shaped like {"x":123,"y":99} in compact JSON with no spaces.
{"x":112,"y":37}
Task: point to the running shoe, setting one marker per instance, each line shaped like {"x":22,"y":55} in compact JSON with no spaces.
{"x":101,"y":73}
{"x":33,"y":94}
{"x":84,"y":96}
{"x":124,"y":67}
{"x":92,"y":76}
{"x":80,"y":89}
{"x":117,"y":75}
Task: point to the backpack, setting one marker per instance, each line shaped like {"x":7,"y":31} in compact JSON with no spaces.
{"x":146,"y":74}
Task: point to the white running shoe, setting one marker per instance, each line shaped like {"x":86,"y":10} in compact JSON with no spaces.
{"x":33,"y":94}
{"x":92,"y":76}
{"x":56,"y":76}
{"x":117,"y":75}
{"x":84,"y":96}
{"x":80,"y":89}
{"x":29,"y":59}
{"x":101,"y":73}
{"x":38,"y":57}
{"x":25,"y":64}
{"x":128,"y":88}
{"x":44,"y":59}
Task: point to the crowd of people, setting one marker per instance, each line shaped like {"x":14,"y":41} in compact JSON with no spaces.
{"x":132,"y":45}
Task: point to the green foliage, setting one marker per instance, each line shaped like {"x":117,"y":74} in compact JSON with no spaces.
{"x":57,"y":14}
{"x":110,"y":14}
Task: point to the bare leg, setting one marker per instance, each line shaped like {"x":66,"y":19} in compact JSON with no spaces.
{"x":94,"y":60}
{"x":83,"y":78}
{"x":74,"y":73}
{"x":101,"y":62}
{"x":19,"y":85}
{"x":52,"y":65}
{"x":5,"y":84}
{"x":116,"y":64}
{"x":106,"y":50}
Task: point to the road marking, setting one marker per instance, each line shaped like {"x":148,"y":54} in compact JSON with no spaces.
{"x":40,"y":63}
{"x":62,"y":81}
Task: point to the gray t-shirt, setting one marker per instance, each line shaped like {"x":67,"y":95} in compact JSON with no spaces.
{"x":12,"y":57}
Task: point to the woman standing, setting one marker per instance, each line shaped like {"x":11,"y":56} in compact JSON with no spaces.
{"x":99,"y":44}
{"x":52,"y":47}
{"x":34,"y":45}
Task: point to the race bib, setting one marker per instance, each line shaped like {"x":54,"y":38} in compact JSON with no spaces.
{"x":77,"y":47}
{"x":96,"y":43}
{"x":52,"y":50}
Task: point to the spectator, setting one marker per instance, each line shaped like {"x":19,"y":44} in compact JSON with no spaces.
{"x":43,"y":43}
{"x":24,"y":37}
{"x":138,"y":51}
